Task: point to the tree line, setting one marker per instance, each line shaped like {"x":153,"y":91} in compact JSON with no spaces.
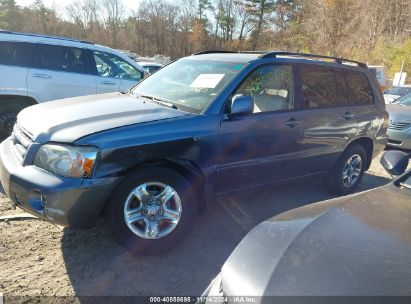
{"x":374,"y":31}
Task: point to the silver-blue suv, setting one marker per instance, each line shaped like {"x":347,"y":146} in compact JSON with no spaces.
{"x":204,"y":125}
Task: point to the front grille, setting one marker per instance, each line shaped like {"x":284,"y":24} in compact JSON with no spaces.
{"x":21,"y":142}
{"x":399,"y":125}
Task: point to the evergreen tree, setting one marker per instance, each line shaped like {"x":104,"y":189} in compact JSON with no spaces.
{"x":260,"y":11}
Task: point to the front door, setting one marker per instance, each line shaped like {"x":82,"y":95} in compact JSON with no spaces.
{"x":114,"y":74}
{"x":261,"y":147}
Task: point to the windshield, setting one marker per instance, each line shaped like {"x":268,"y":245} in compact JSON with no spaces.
{"x":404,"y":100}
{"x":189,"y":84}
{"x":400,"y":91}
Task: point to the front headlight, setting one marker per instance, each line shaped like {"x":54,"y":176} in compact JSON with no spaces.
{"x":67,"y":161}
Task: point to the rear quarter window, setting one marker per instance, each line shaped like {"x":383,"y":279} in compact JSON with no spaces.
{"x":16,"y":53}
{"x":360,"y":90}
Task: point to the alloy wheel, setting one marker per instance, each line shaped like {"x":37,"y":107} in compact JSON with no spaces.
{"x":152,"y":210}
{"x":352,"y":170}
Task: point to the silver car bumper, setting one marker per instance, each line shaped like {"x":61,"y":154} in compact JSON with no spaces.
{"x":399,"y":138}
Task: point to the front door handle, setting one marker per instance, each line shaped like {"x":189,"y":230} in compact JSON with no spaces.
{"x":348,"y":115}
{"x":107,"y":82}
{"x":42,"y":76}
{"x":292,"y":122}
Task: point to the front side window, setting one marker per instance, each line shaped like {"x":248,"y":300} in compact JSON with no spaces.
{"x":16,"y":53}
{"x":271,"y":88}
{"x":61,"y":58}
{"x":190,"y":84}
{"x":112,"y":66}
{"x":360,"y":90}
{"x":319,"y":87}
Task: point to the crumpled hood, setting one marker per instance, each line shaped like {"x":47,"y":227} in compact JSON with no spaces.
{"x":70,"y":119}
{"x":355,"y":245}
{"x":398,"y":113}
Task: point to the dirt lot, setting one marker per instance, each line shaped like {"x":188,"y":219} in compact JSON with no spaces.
{"x":38,"y":258}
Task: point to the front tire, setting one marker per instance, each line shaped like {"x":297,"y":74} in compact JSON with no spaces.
{"x":347,"y":174}
{"x":152,"y":210}
{"x":8,"y":116}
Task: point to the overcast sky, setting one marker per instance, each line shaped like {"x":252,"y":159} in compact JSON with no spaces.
{"x":61,"y":4}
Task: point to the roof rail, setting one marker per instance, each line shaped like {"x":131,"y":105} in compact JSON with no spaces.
{"x":228,"y":52}
{"x":292,"y":54}
{"x":44,"y":36}
{"x":213,"y":51}
{"x":274,"y":54}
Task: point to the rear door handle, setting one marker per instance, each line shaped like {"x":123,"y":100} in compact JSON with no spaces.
{"x":292,"y":122}
{"x":348,"y":115}
{"x":107,"y":82}
{"x":42,"y":76}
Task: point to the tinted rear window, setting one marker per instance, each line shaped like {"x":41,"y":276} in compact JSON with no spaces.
{"x":319,"y":87}
{"x":61,"y":58}
{"x":360,"y":89}
{"x":16,"y":53}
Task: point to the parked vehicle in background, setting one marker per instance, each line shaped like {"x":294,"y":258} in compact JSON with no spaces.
{"x":37,"y":68}
{"x":379,"y":73}
{"x":204,"y":125}
{"x":129,"y":54}
{"x":357,"y":245}
{"x":162,"y":59}
{"x":399,"y":129}
{"x":150,"y":67}
{"x":394,"y":93}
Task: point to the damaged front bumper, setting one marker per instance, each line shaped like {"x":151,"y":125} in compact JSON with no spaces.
{"x":64,"y":201}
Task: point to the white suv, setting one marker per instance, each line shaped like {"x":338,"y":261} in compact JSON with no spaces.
{"x":36,"y":68}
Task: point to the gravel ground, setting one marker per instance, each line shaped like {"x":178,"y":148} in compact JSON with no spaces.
{"x":41,"y":259}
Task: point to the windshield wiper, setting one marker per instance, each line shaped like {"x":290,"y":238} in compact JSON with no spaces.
{"x":160,"y":101}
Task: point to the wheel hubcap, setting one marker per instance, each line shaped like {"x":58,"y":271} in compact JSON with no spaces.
{"x":352,"y":170}
{"x":152,"y":210}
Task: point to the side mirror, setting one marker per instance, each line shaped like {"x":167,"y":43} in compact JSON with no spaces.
{"x":145,"y":74}
{"x":241,"y":105}
{"x":395,"y":162}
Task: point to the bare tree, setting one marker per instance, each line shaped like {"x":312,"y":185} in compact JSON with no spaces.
{"x":113,"y":15}
{"x":243,"y":19}
{"x":84,"y":14}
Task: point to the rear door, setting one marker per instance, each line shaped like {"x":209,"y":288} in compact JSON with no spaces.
{"x":59,"y":72}
{"x":114,"y":74}
{"x":363,"y":109}
{"x":15,"y":58}
{"x":261,"y":147}
{"x":328,"y":123}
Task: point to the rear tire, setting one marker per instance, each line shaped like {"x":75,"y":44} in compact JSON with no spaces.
{"x":131,"y":202}
{"x":8,"y":115}
{"x":347,"y":173}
